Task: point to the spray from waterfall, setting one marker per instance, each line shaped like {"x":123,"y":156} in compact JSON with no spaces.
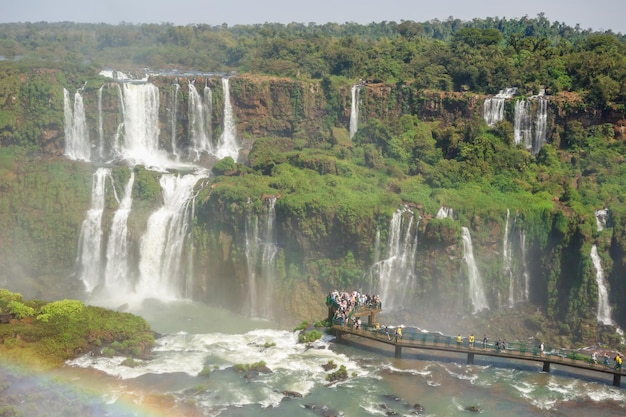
{"x":476,"y":290}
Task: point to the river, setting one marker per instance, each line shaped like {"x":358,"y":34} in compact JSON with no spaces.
{"x":197,"y":337}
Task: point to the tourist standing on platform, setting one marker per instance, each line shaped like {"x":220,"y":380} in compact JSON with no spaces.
{"x":485,"y":340}
{"x":541,"y":347}
{"x":470,"y":341}
{"x":459,"y":340}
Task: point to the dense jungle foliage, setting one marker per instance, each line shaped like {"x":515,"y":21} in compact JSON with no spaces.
{"x":331,"y":186}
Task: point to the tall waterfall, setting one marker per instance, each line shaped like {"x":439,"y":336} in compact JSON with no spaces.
{"x":199,"y":120}
{"x":476,"y":290}
{"x":530,"y":123}
{"x":261,"y":251}
{"x":77,"y":142}
{"x":117,"y":269}
{"x":396,"y":274}
{"x":541,"y":123}
{"x":89,"y":258}
{"x":445,"y":212}
{"x":493,"y":107}
{"x":163,"y":272}
{"x":515,"y":266}
{"x":100,"y":125}
{"x":604,"y":309}
{"x":354,"y":109}
{"x":227,"y":145}
{"x":507,"y":259}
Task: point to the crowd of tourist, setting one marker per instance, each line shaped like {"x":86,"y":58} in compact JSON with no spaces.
{"x":344,"y":303}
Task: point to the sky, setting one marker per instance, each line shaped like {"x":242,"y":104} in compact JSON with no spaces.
{"x":596,"y":14}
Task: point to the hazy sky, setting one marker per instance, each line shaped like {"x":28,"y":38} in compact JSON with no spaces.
{"x":595,"y":14}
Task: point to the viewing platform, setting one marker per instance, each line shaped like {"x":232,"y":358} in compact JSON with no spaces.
{"x":437,"y":342}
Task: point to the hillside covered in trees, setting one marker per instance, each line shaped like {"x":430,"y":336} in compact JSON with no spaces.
{"x":422,"y":143}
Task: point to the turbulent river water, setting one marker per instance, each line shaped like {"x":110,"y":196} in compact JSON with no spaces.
{"x":197,"y":337}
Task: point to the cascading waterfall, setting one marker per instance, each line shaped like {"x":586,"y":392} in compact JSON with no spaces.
{"x":100,"y":125}
{"x":507,"y":259}
{"x":602,"y":216}
{"x":445,"y":213}
{"x":541,"y":123}
{"x":227,"y":145}
{"x":604,"y":309}
{"x":174,"y":118}
{"x":354,"y":109}
{"x":199,"y":119}
{"x":77,"y":143}
{"x":493,"y":107}
{"x":162,"y":271}
{"x":523,"y":124}
{"x":525,"y":269}
{"x":396,"y":274}
{"x":117,"y":270}
{"x":89,"y":258}
{"x":476,"y":290}
{"x":261,"y":251}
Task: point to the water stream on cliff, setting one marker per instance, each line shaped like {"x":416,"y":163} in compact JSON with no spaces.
{"x":493,"y":107}
{"x":476,"y":290}
{"x":77,"y":144}
{"x":354,"y":109}
{"x":199,"y":120}
{"x":530,"y":123}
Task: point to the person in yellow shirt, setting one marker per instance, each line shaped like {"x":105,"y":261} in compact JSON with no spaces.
{"x":459,"y":340}
{"x":470,"y":341}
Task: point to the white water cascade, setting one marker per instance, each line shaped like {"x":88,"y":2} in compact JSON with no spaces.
{"x":89,"y":259}
{"x":117,"y":269}
{"x":199,"y":121}
{"x":604,"y":309}
{"x":507,"y":259}
{"x":354,"y":109}
{"x":445,"y":213}
{"x":227,"y":144}
{"x":602,"y":217}
{"x":77,"y":143}
{"x":476,"y":290}
{"x":396,"y":274}
{"x":100,"y":125}
{"x":541,"y":124}
{"x":523,"y":124}
{"x":493,"y":107}
{"x":163,"y":272}
{"x":514,"y":262}
{"x":174,"y":118}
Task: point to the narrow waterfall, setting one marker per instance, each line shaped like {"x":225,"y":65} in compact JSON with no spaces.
{"x":525,"y":269}
{"x":117,"y":271}
{"x":162,"y":270}
{"x":396,"y":274}
{"x":77,"y":142}
{"x":354,"y":109}
{"x":100,"y":125}
{"x":445,"y":212}
{"x":89,"y":259}
{"x":199,"y":119}
{"x":602,"y":216}
{"x":117,"y":140}
{"x":507,"y":259}
{"x":208,"y":104}
{"x":227,"y":144}
{"x":523,"y":124}
{"x":493,"y":107}
{"x":476,"y":290}
{"x":541,"y":123}
{"x":261,"y":250}
{"x":604,"y":309}
{"x":174,"y":118}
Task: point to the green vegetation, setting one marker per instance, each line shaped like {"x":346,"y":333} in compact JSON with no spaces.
{"x":50,"y":333}
{"x":339,"y":375}
{"x":260,"y":366}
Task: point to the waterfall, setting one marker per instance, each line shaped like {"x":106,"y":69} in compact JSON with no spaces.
{"x":117,"y":271}
{"x":162,"y":272}
{"x":476,"y":290}
{"x":354,"y":109}
{"x":525,"y":270}
{"x":602,"y":216}
{"x":493,"y":108}
{"x":261,"y":251}
{"x":89,"y":258}
{"x":227,"y":145}
{"x":77,"y":143}
{"x":507,"y":259}
{"x":445,"y":213}
{"x":604,"y":309}
{"x":523,"y":124}
{"x":100,"y":125}
{"x":396,"y":274}
{"x":541,"y":123}
{"x":174,"y":118}
{"x":199,"y":119}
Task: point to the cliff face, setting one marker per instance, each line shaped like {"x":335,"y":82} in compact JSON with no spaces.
{"x":317,"y":247}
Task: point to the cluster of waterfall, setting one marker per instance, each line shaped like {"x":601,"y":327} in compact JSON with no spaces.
{"x":160,"y":264}
{"x":530,"y":117}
